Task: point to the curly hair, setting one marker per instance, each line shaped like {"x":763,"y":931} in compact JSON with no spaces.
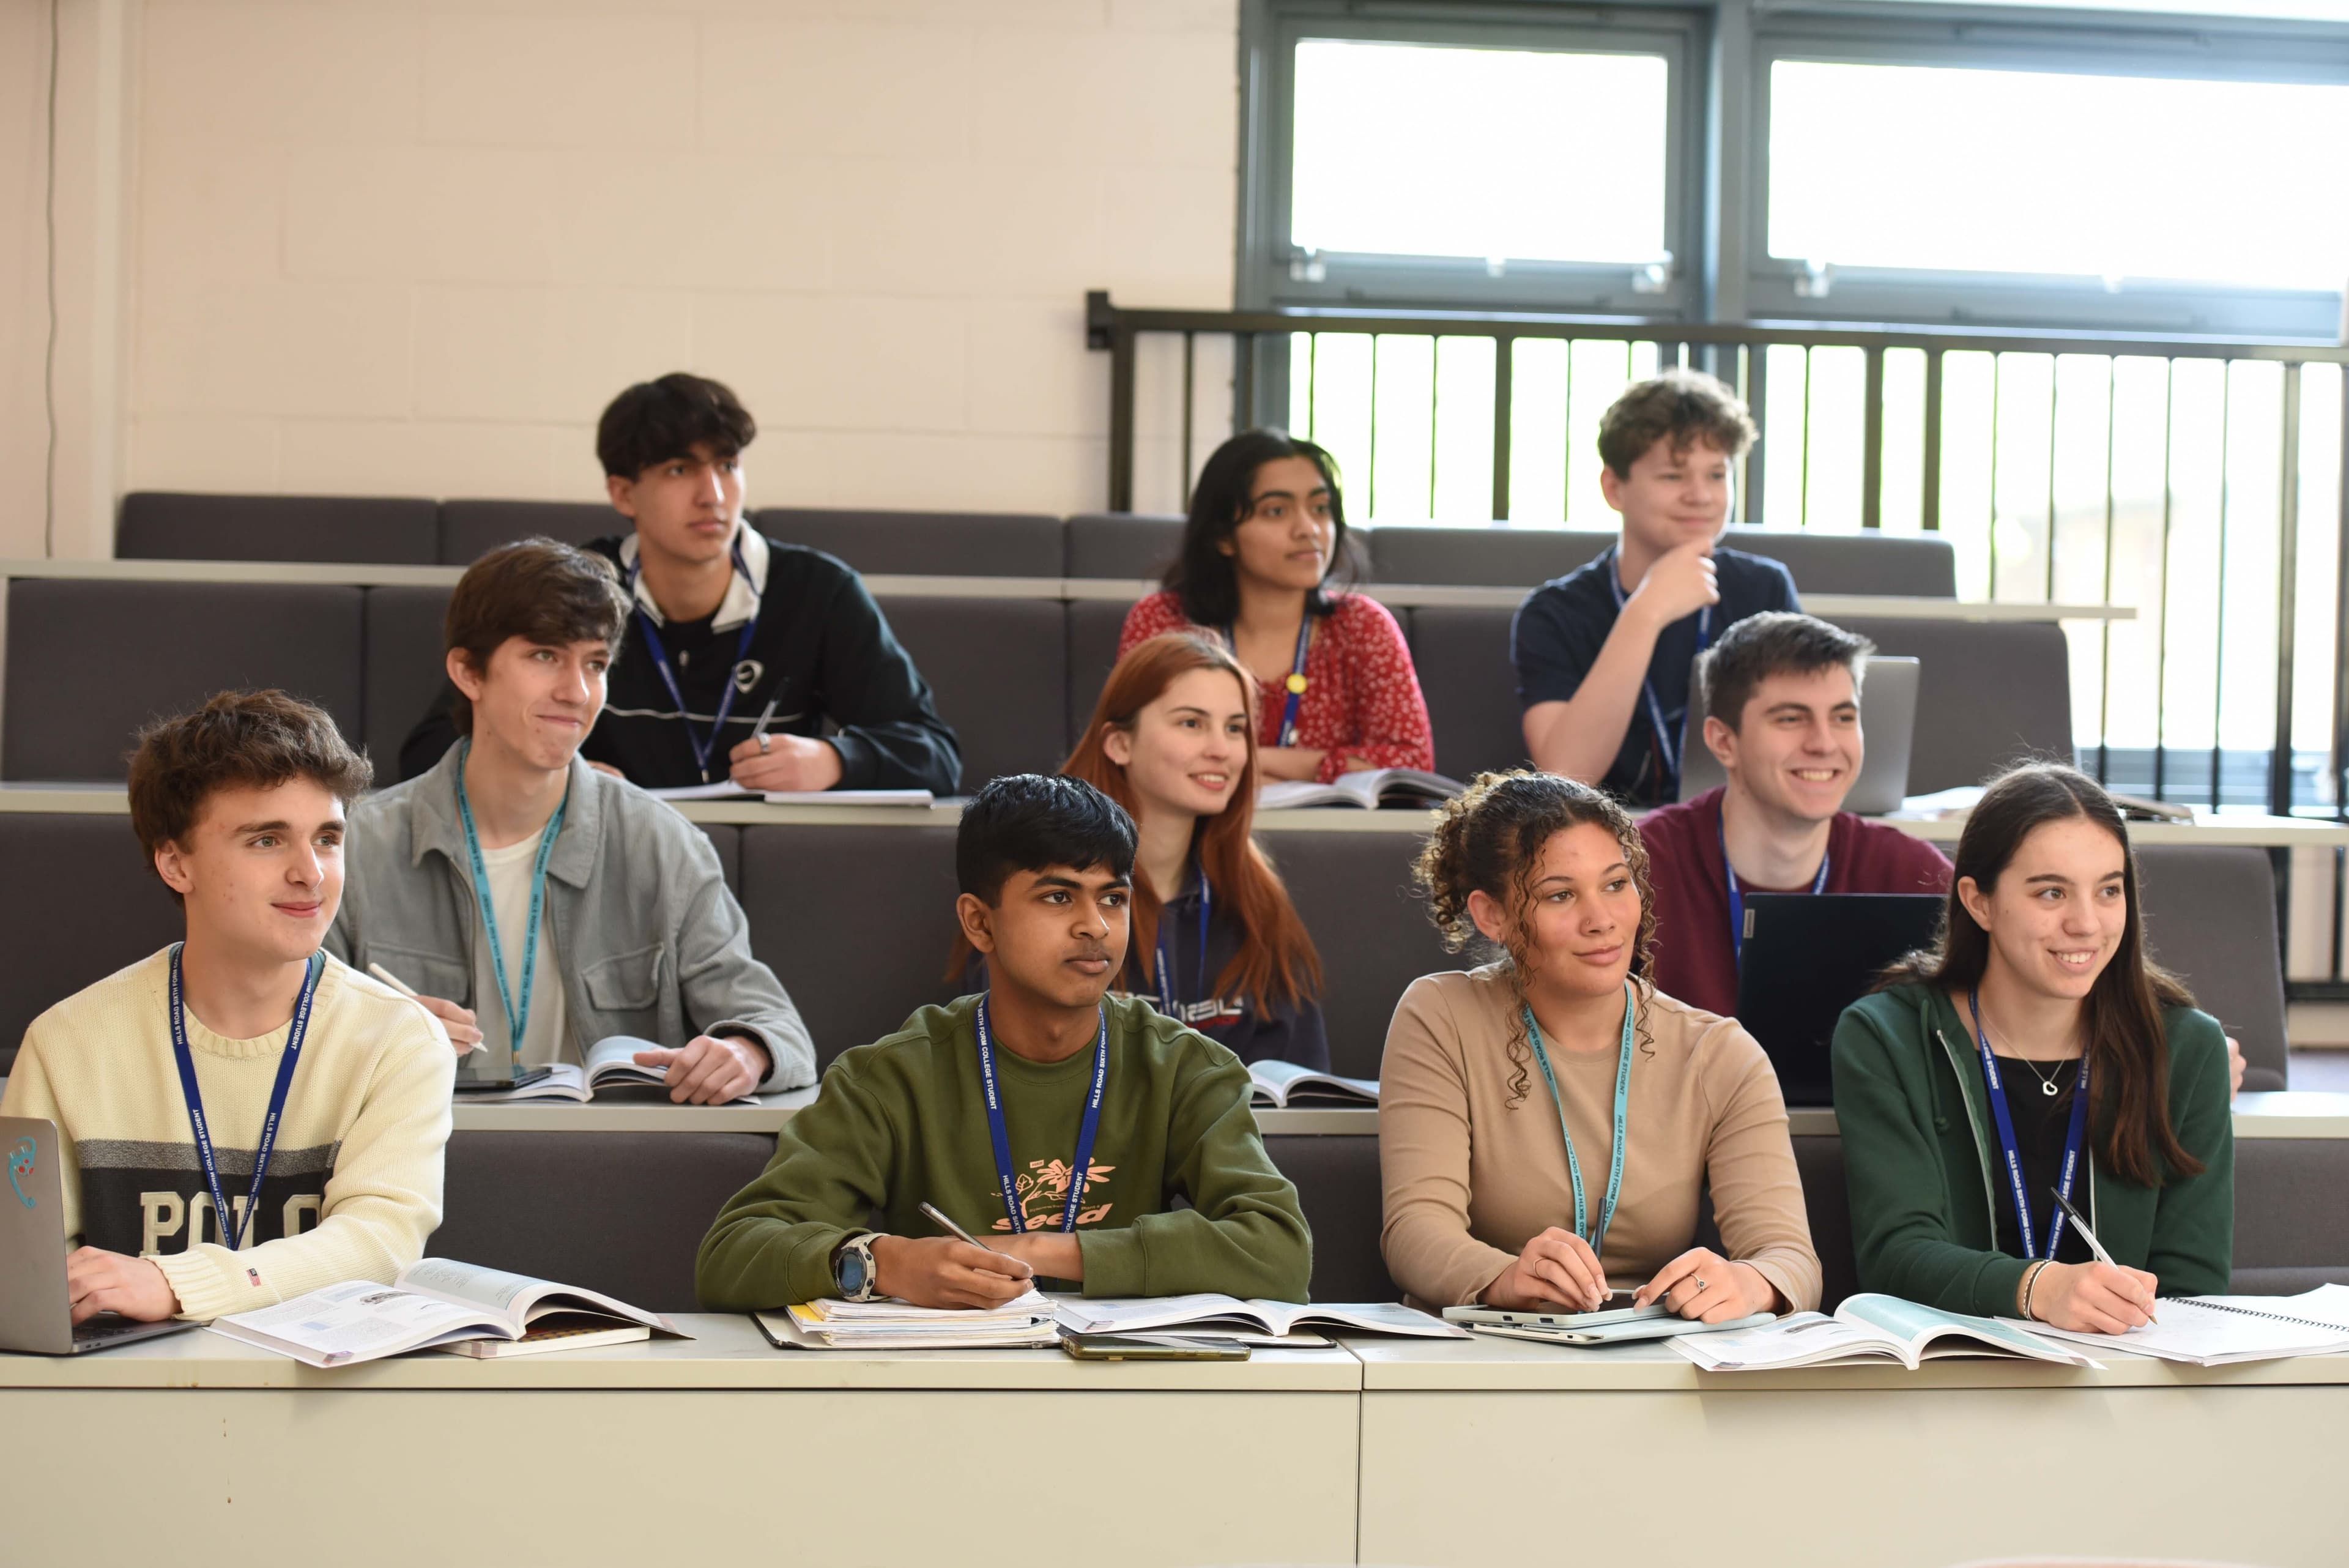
{"x":1490,"y":840}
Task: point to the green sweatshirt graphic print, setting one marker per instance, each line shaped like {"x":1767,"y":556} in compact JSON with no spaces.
{"x":904,"y":1119}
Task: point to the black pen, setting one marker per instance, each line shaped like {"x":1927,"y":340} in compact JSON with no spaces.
{"x":2080,"y":1224}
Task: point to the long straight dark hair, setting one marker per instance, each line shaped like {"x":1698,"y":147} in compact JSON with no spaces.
{"x":1205,"y":578}
{"x":2128,"y":1048}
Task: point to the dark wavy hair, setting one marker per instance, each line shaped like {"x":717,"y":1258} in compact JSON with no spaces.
{"x":654,"y":421}
{"x":1490,"y":840}
{"x":1202,"y":575}
{"x":2128,"y":1047}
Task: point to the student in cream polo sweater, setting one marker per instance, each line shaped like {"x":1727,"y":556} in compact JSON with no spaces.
{"x":240,"y":806}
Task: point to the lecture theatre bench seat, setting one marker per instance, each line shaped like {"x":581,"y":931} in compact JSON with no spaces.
{"x":2209,"y":912}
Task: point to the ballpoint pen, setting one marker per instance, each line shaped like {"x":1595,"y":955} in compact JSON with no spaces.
{"x":932,"y":1210}
{"x":2080,"y":1224}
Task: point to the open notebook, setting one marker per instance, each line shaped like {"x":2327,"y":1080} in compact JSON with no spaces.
{"x":610,"y":1071}
{"x":2217,"y":1331}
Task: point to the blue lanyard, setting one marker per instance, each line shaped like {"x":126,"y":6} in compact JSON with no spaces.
{"x":233,"y":1225}
{"x":1622,"y":1105}
{"x":1001,"y":1138}
{"x":702,"y":750}
{"x":1167,"y":997}
{"x":1295,"y":682}
{"x":1737,"y":896}
{"x":2074,"y":1140}
{"x":1667,"y":744}
{"x":517,"y":1018}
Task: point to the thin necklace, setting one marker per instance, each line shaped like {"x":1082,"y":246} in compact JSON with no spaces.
{"x":2050,"y":1087}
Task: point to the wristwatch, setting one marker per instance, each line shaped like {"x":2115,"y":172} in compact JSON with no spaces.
{"x":851,"y":1268}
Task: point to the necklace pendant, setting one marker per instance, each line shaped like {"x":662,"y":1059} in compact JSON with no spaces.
{"x":2048,"y":1088}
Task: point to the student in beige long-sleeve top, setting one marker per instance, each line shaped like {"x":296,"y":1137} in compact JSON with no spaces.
{"x":239,"y":806}
{"x":1505,"y":1088}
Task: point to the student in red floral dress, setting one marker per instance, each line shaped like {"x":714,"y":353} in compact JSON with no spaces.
{"x":1267,"y":530}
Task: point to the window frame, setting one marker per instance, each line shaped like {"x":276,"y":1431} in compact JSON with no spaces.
{"x":2008,"y":38}
{"x":1270,"y":31}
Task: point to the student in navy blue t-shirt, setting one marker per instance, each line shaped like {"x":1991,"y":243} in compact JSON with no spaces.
{"x":1603,"y":652}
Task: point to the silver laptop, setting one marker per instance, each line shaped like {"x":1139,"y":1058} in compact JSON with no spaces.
{"x":1888,"y":707}
{"x":36,"y":1312}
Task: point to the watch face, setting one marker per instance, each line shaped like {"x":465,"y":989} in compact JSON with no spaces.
{"x":849,"y":1273}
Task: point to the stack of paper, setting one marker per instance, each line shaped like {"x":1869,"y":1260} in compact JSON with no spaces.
{"x":890,"y":1325}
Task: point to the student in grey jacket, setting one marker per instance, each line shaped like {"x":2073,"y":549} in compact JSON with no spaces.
{"x":529,"y":896}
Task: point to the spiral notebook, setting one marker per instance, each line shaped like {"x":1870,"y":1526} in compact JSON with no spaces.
{"x":2217,"y":1331}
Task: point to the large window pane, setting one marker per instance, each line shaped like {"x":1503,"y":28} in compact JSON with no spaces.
{"x":2032,"y":172}
{"x":1413,"y":149}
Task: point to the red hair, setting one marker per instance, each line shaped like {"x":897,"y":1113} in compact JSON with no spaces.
{"x":1275,"y":955}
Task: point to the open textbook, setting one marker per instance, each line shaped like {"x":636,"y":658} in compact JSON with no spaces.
{"x":2216,"y":1331}
{"x":888,"y":1324}
{"x":440,"y":1303}
{"x":610,"y":1068}
{"x":1371,"y":788}
{"x":1138,"y":1315}
{"x":727,"y":789}
{"x":1869,"y":1328}
{"x":1285,"y":1084}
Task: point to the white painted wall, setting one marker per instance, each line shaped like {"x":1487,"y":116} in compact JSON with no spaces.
{"x":401,"y":248}
{"x":24,"y":108}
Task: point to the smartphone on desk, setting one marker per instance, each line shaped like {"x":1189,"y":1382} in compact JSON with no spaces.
{"x":1150,"y":1347}
{"x":1618,"y":1308}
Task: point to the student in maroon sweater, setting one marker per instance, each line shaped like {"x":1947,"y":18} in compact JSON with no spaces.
{"x":1782,"y":714}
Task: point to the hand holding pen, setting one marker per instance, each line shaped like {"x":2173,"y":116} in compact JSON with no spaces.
{"x":2102,"y":1297}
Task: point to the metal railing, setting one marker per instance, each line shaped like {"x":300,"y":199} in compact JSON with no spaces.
{"x":2241,"y":559}
{"x":1748,"y":355}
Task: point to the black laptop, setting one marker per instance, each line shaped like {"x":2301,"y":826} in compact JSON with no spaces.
{"x":1808,"y":957}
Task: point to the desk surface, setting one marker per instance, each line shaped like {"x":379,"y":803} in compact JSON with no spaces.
{"x":1491,"y":1364}
{"x":2277,"y":1114}
{"x":2250,"y":829}
{"x":727,"y":1352}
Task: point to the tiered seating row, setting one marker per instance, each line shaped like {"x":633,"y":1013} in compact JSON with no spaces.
{"x":2208,"y":910}
{"x":90,"y":661}
{"x":161,"y":525}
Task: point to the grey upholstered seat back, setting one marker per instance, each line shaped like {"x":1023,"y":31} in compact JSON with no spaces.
{"x":407,"y":666}
{"x":1912,"y":564}
{"x":1122,"y":545}
{"x":857,"y":922}
{"x":2211,"y":914}
{"x":167,"y":526}
{"x":469,"y":529}
{"x":620,"y":1212}
{"x":998,"y":670}
{"x":1353,"y":892}
{"x":1461,"y":654}
{"x":924,"y":544}
{"x":114,"y":911}
{"x":1991,"y":692}
{"x":91,"y":662}
{"x":1479,"y":555}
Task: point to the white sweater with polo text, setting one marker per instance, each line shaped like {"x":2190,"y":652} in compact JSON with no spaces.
{"x":353,"y":1187}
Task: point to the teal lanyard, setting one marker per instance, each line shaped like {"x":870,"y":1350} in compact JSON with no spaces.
{"x":1622,"y":1103}
{"x":517,"y":1017}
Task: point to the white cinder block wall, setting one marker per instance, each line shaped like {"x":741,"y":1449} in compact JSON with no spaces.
{"x":389,"y":247}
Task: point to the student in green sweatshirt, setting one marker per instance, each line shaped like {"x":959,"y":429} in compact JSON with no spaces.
{"x":1057,"y":1126}
{"x":2038,"y":1048}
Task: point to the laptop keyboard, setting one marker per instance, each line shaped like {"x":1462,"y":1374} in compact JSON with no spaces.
{"x":98,"y":1331}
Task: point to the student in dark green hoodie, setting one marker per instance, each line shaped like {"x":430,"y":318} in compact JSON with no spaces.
{"x":1056,"y":1125}
{"x":2037,"y":1047}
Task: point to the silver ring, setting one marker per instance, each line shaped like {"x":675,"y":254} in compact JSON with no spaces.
{"x":763,"y":745}
{"x":1702,"y":1281}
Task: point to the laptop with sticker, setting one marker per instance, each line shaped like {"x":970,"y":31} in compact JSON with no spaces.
{"x":35,"y":1307}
